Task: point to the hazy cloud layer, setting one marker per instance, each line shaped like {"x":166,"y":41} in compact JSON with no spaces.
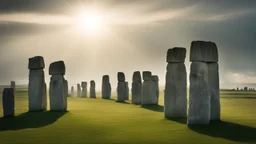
{"x":137,"y":38}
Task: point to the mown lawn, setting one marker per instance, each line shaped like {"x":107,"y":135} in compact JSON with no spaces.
{"x":105,"y":121}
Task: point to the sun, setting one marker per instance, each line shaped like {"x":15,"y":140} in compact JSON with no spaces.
{"x":90,"y":21}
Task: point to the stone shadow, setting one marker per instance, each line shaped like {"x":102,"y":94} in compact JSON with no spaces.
{"x":153,"y":107}
{"x":227,"y":130}
{"x":29,"y":120}
{"x":122,"y":102}
{"x":178,"y":120}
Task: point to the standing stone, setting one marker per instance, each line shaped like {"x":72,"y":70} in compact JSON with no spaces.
{"x":175,"y":95}
{"x":72,"y":91}
{"x":66,"y":88}
{"x":58,"y":86}
{"x":78,"y":90}
{"x":92,"y":89}
{"x":106,"y":87}
{"x":147,"y":89}
{"x":8,"y":102}
{"x":136,"y":88}
{"x":121,"y":88}
{"x":13,"y":86}
{"x":155,"y":92}
{"x":36,"y":87}
{"x":126,"y":91}
{"x":199,"y":111}
{"x":84,"y":89}
{"x":203,"y":51}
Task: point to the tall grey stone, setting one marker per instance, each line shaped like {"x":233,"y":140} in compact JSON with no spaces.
{"x":8,"y":102}
{"x":176,"y":55}
{"x":106,"y":87}
{"x":72,"y":91}
{"x":92,"y":89}
{"x":36,"y":87}
{"x":213,"y":78}
{"x":58,"y":87}
{"x":84,"y":89}
{"x":78,"y":90}
{"x":126,"y":91}
{"x":203,"y":51}
{"x":121,"y":89}
{"x":147,"y":98}
{"x":155,"y":92}
{"x":175,"y":95}
{"x":13,"y":86}
{"x":199,"y":111}
{"x":136,"y":88}
{"x":58,"y":99}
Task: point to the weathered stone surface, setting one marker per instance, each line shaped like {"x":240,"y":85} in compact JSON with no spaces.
{"x":176,"y":54}
{"x":13,"y":85}
{"x":36,"y":62}
{"x":203,"y":51}
{"x":136,"y":77}
{"x":106,"y":90}
{"x":155,"y":91}
{"x":72,"y":91}
{"x":78,"y":90}
{"x":136,"y":92}
{"x":213,"y":78}
{"x":120,"y":77}
{"x":126,"y":91}
{"x":57,"y":68}
{"x":66,"y":88}
{"x":121,"y":91}
{"x":105,"y":79}
{"x":175,"y":95}
{"x":147,"y":98}
{"x":8,"y":102}
{"x":58,"y":99}
{"x":146,"y":75}
{"x":45,"y":97}
{"x":36,"y":90}
{"x":199,"y":111}
{"x":84,"y":89}
{"x":92,"y":89}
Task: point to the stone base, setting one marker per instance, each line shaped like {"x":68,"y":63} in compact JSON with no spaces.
{"x":8,"y":102}
{"x":106,"y":91}
{"x":136,"y":92}
{"x":121,"y":91}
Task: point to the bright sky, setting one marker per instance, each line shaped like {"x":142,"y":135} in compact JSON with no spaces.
{"x":105,"y":37}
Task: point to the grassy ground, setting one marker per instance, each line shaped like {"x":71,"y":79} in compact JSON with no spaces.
{"x":105,"y":121}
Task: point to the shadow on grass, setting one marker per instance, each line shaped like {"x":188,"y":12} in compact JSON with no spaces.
{"x":178,"y":120}
{"x":227,"y":130}
{"x":110,"y":99}
{"x":122,"y":102}
{"x":156,"y":108}
{"x":29,"y":120}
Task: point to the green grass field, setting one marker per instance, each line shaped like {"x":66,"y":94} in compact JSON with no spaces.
{"x":106,"y":121}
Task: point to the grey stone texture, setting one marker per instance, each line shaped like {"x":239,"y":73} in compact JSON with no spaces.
{"x":176,"y":54}
{"x":199,"y":111}
{"x":84,"y":89}
{"x":92,"y":89}
{"x":37,"y":90}
{"x":121,"y":91}
{"x":155,"y":92}
{"x":120,"y":77}
{"x":72,"y":91}
{"x":203,"y":51}
{"x":58,"y":98}
{"x":175,"y":95}
{"x":213,"y":79}
{"x":126,"y":91}
{"x":66,"y":88}
{"x":8,"y":102}
{"x":147,"y":89}
{"x":136,"y":92}
{"x":36,"y":62}
{"x":146,"y":75}
{"x":136,"y":77}
{"x":106,"y":87}
{"x":78,"y":86}
{"x":57,"y":68}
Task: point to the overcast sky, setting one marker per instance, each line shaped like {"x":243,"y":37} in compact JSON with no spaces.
{"x":135,"y":36}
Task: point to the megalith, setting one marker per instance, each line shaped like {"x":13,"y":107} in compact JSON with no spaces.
{"x":126,"y":91}
{"x":78,"y":90}
{"x":155,"y":90}
{"x":84,"y":89}
{"x":8,"y":102}
{"x":147,"y":97}
{"x":92,"y":89}
{"x":136,"y":88}
{"x":106,"y":87}
{"x":36,"y":86}
{"x":58,"y":98}
{"x":13,"y":86}
{"x":121,"y":88}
